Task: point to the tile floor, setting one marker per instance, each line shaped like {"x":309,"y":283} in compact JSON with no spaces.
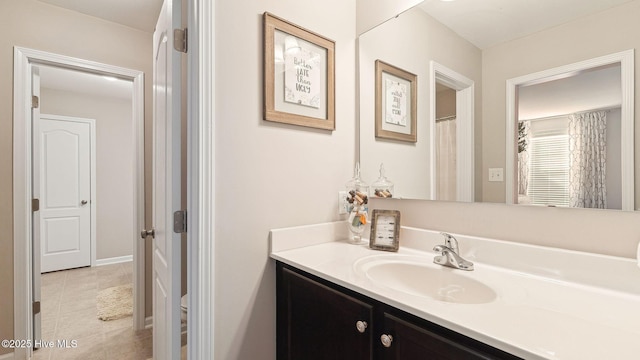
{"x":69,"y":313}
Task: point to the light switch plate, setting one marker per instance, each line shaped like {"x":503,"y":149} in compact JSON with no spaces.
{"x":496,"y":174}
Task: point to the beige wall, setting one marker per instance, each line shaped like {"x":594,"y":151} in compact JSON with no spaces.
{"x":605,"y":33}
{"x":408,"y":164}
{"x":32,"y":24}
{"x":270,"y":175}
{"x":114,"y":164}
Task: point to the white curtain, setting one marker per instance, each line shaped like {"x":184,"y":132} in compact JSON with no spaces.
{"x":588,"y":152}
{"x":523,"y":159}
{"x":446,"y":159}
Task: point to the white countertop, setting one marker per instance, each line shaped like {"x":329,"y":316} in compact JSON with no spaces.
{"x":549,"y":303}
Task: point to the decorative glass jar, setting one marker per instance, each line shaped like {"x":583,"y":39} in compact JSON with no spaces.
{"x":382,"y":188}
{"x":358,"y":199}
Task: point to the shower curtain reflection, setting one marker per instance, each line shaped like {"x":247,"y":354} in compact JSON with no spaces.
{"x":446,"y":158}
{"x":523,"y":161}
{"x":588,"y":155}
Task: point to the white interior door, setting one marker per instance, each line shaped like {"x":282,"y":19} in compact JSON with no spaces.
{"x":64,"y":167}
{"x":166,"y":184}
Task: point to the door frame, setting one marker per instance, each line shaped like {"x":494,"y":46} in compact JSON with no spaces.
{"x":465,"y":129}
{"x":92,"y":175}
{"x":201,"y":184}
{"x":22,"y":177}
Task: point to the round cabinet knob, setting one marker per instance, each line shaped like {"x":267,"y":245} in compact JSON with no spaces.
{"x":361,"y":326}
{"x":83,"y":202}
{"x":386,"y":340}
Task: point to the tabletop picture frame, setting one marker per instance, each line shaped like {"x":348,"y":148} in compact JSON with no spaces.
{"x":385,"y":230}
{"x":396,"y":103}
{"x":299,"y":75}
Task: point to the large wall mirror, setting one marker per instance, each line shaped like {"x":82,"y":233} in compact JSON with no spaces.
{"x":477,"y":90}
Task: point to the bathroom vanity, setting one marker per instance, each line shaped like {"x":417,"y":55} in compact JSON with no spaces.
{"x":338,"y":300}
{"x":321,"y":320}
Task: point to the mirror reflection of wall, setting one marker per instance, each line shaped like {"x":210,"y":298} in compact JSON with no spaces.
{"x":490,"y":46}
{"x":410,"y":42}
{"x":569,"y":141}
{"x":445,"y":142}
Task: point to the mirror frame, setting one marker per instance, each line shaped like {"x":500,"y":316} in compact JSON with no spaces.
{"x":626,"y":60}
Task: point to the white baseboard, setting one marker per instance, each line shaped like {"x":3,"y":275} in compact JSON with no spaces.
{"x":113,"y":260}
{"x":8,"y":356}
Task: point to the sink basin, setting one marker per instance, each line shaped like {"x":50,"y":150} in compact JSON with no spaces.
{"x":418,"y":276}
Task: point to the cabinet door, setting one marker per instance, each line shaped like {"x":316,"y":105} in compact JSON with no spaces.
{"x":317,"y":322}
{"x":411,"y":342}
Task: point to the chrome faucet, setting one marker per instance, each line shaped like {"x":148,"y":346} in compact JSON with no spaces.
{"x":450,"y":254}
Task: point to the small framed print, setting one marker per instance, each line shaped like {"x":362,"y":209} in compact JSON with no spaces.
{"x":299,"y":75}
{"x":385,"y":230}
{"x":396,"y":104}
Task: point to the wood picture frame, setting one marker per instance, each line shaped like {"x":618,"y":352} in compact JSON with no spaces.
{"x":299,"y":75}
{"x":385,"y":230}
{"x":396,"y":103}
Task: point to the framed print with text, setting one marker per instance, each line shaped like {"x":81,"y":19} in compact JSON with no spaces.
{"x":396,"y":94}
{"x":299,"y":75}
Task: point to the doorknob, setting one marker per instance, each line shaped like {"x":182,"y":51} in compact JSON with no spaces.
{"x":83,"y":202}
{"x":145,"y":233}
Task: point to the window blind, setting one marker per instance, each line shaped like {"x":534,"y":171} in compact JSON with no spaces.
{"x":549,"y":169}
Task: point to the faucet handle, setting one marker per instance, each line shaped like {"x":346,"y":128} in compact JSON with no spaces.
{"x":439,"y":248}
{"x":450,"y":241}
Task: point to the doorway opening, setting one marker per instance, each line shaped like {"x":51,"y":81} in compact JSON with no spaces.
{"x":25,"y":277}
{"x":463,"y":110}
{"x":445,"y":139}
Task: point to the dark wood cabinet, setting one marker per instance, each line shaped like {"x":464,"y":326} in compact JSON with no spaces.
{"x":317,"y":319}
{"x":318,"y":322}
{"x":411,"y":341}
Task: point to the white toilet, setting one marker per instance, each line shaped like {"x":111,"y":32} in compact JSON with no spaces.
{"x":183,"y":308}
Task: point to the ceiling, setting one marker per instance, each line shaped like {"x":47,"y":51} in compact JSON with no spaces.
{"x":490,"y":22}
{"x":596,"y":89}
{"x":138,"y":14}
{"x":484,"y":23}
{"x":84,"y":83}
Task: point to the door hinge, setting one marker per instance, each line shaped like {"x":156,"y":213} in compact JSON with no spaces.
{"x":180,"y":221}
{"x":36,"y":307}
{"x":35,"y":204}
{"x":180,"y":39}
{"x":35,"y":102}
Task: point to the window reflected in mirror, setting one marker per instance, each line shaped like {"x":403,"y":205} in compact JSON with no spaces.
{"x":569,"y":140}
